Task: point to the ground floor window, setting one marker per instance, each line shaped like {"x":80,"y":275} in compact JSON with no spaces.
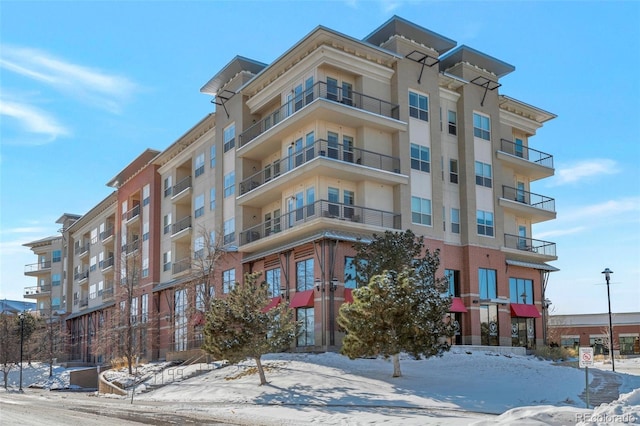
{"x":570,"y":342}
{"x":457,"y":328}
{"x":180,"y":325}
{"x":523,"y":332}
{"x":306,"y":336}
{"x":599,"y":344}
{"x":629,"y":345}
{"x":489,"y":332}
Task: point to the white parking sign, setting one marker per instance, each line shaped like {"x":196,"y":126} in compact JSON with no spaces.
{"x":586,"y":357}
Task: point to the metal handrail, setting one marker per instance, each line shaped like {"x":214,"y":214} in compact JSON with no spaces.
{"x":529,"y":198}
{"x":35,"y":267}
{"x":526,"y":153}
{"x":180,"y":225}
{"x":181,"y":186}
{"x":532,"y":245}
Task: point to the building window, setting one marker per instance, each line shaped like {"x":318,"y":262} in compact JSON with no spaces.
{"x":523,"y":332}
{"x":144,"y":307}
{"x":455,"y":220}
{"x":56,"y":256}
{"x":452,"y":117}
{"x":420,"y":158}
{"x":521,"y":291}
{"x":166,"y":261}
{"x":229,"y":137}
{"x":212,"y":202}
{"x":481,"y":126}
{"x":166,"y":221}
{"x":307,"y":325}
{"x":146,"y":195}
{"x":199,"y":206}
{"x":421,"y":211}
{"x":199,"y":165}
{"x":55,"y":280}
{"x":483,"y":174}
{"x":213,"y":156}
{"x":304,"y":275}
{"x":228,"y":280}
{"x":418,"y":106}
{"x":198,"y":247}
{"x":168,"y":186}
{"x":453,"y":277}
{"x":145,"y":231}
{"x":349,"y":272}
{"x":229,"y":231}
{"x":570,"y":342}
{"x":487,"y":283}
{"x":230,"y":184}
{"x":453,"y":171}
{"x":484,"y":221}
{"x":272,"y":278}
{"x":180,"y":324}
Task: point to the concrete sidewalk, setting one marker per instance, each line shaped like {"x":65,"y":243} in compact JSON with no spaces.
{"x":604,"y":387}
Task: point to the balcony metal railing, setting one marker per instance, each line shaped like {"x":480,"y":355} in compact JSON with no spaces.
{"x":530,"y":245}
{"x":81,"y":249}
{"x":107,"y":293}
{"x":321,"y":208}
{"x":181,"y":265}
{"x":526,"y":153}
{"x":36,"y":290}
{"x":320,"y":90}
{"x":180,"y":225}
{"x":106,"y":263}
{"x":35,"y":267}
{"x":529,"y":198}
{"x":133,"y":213}
{"x":106,"y":233}
{"x":84,"y":302}
{"x":181,"y":186}
{"x":79,"y":276}
{"x":326,"y":149}
{"x":131,"y":247}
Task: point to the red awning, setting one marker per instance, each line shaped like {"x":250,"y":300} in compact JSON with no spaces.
{"x":348,"y":295}
{"x":524,"y":311}
{"x":457,"y":305}
{"x":275,"y":301}
{"x":302,"y":299}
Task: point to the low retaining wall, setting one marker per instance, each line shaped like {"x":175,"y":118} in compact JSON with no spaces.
{"x":105,"y":386}
{"x":515,"y":350}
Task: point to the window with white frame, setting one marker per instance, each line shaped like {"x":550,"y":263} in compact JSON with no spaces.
{"x":212,"y":153}
{"x":421,"y":211}
{"x":272,"y":278}
{"x":229,"y":137}
{"x":145,"y":267}
{"x":304,"y":275}
{"x":144,"y":307}
{"x":228,"y":280}
{"x":455,"y":220}
{"x":420,"y":158}
{"x":212,"y":199}
{"x":452,"y":118}
{"x":229,"y":227}
{"x":168,"y":186}
{"x":481,"y":126}
{"x":145,"y":231}
{"x":483,"y":174}
{"x":198,"y":247}
{"x":306,"y":320}
{"x":181,"y":320}
{"x":198,"y":206}
{"x":146,"y":194}
{"x":134,"y":310}
{"x":484,"y":221}
{"x":418,"y":106}
{"x":199,"y":165}
{"x":166,"y":261}
{"x":167,"y":223}
{"x":230,"y":184}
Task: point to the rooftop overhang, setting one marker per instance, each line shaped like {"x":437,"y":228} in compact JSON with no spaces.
{"x":410,"y":31}
{"x":133,"y":168}
{"x":466,"y":54}
{"x":524,"y":110}
{"x":233,"y":68}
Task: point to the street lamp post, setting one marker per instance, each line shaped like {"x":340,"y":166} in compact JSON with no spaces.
{"x":607,"y":276}
{"x":21,"y":345}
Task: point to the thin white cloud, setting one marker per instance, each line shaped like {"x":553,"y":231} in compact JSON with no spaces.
{"x":584,"y":169}
{"x":606,"y":209}
{"x":93,"y":86}
{"x":32,"y":120}
{"x":560,"y":232}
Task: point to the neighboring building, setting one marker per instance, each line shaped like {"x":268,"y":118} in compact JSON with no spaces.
{"x":334,"y":141}
{"x":573,"y":331}
{"x":15,"y":307}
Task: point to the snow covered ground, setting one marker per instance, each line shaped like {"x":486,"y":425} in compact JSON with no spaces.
{"x":460,"y":388}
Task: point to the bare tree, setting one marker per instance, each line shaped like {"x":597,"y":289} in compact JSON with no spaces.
{"x":51,"y":337}
{"x":9,"y":344}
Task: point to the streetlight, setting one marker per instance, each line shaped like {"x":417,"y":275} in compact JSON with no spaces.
{"x":21,"y":344}
{"x":607,"y":276}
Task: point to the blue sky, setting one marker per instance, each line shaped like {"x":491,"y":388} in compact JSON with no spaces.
{"x":87,"y":86}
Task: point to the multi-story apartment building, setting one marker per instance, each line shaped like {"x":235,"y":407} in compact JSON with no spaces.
{"x":335,"y":140}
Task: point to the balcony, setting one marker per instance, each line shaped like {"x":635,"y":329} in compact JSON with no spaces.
{"x":320,"y":90}
{"x":181,"y":229}
{"x":84,"y":302}
{"x":38,"y":291}
{"x":132,"y":214}
{"x":82,"y":249}
{"x":106,"y":264}
{"x":526,"y":161}
{"x":325,"y":150}
{"x":132,"y":247}
{"x":80,"y":276}
{"x":107,"y":234}
{"x":535,"y":207}
{"x":181,"y":189}
{"x":107,"y":293}
{"x":181,"y":266}
{"x":37,"y":268}
{"x":529,"y":248}
{"x":336,"y":214}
